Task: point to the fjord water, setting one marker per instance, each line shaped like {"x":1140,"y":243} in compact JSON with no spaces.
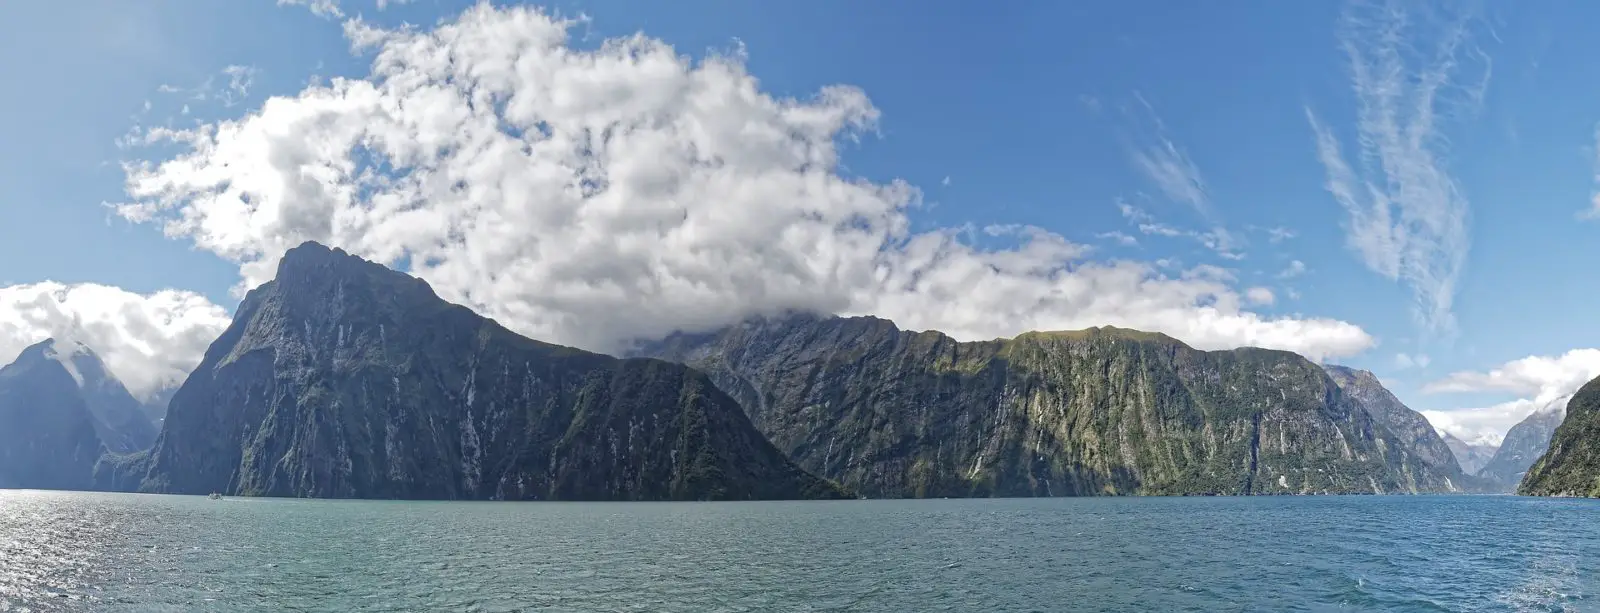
{"x":62,"y":551}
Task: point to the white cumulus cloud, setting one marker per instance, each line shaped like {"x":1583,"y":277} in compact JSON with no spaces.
{"x":1539,"y":381}
{"x":1488,"y":425}
{"x":1528,"y":376}
{"x":1294,"y":269}
{"x":1407,"y":216}
{"x":1260,"y":295}
{"x":593,"y":197}
{"x":151,"y":341}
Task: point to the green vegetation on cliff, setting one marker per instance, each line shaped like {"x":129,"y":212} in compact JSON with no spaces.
{"x":1412,"y":428}
{"x":1571,"y":465}
{"x":893,"y":413}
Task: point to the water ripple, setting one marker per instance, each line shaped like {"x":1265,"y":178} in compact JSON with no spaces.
{"x":107,"y":552}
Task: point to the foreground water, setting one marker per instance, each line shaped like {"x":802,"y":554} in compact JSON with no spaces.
{"x":114,"y":552}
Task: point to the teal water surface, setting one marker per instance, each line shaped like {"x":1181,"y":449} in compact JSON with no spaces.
{"x":116,"y":552}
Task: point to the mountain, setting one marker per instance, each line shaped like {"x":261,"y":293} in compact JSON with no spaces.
{"x":1524,"y":443}
{"x":119,"y":418}
{"x":894,"y":413}
{"x":1410,"y":426}
{"x":344,"y":379}
{"x":1471,"y":456}
{"x":1571,"y":466}
{"x":155,"y":407}
{"x":50,"y":436}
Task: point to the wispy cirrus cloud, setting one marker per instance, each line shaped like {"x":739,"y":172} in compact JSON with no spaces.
{"x":327,"y":9}
{"x":1167,"y":165}
{"x":1121,"y":238}
{"x":1275,"y":234}
{"x":1411,"y":72}
{"x":240,"y":80}
{"x":1217,"y":239}
{"x":1171,"y":170}
{"x":330,"y":9}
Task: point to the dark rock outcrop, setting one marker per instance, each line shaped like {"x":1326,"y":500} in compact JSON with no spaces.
{"x":894,"y":413}
{"x":1571,"y":464}
{"x":343,"y":378}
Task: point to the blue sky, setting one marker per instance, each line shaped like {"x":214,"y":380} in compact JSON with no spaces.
{"x":1080,"y":119}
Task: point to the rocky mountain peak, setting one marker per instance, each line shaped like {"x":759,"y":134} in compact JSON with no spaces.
{"x":43,"y":361}
{"x":331,"y":279}
{"x":344,"y":378}
{"x":73,"y":357}
{"x":117,"y":416}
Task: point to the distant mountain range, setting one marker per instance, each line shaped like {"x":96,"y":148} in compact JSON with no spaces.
{"x":1524,"y":443}
{"x":342,"y":378}
{"x":1471,"y":456}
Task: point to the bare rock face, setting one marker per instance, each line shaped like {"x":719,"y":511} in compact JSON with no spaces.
{"x":342,"y":378}
{"x":1524,"y":444}
{"x":893,"y":413}
{"x":1412,"y":428}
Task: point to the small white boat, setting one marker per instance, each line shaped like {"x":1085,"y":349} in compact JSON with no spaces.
{"x":215,"y":496}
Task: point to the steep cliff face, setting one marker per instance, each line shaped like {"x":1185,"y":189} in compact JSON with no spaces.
{"x":342,"y":378}
{"x":1524,"y":443}
{"x":155,"y":407}
{"x":1571,"y":465}
{"x":47,"y":432}
{"x":1410,"y":426}
{"x":1472,"y":456}
{"x":1102,"y":411}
